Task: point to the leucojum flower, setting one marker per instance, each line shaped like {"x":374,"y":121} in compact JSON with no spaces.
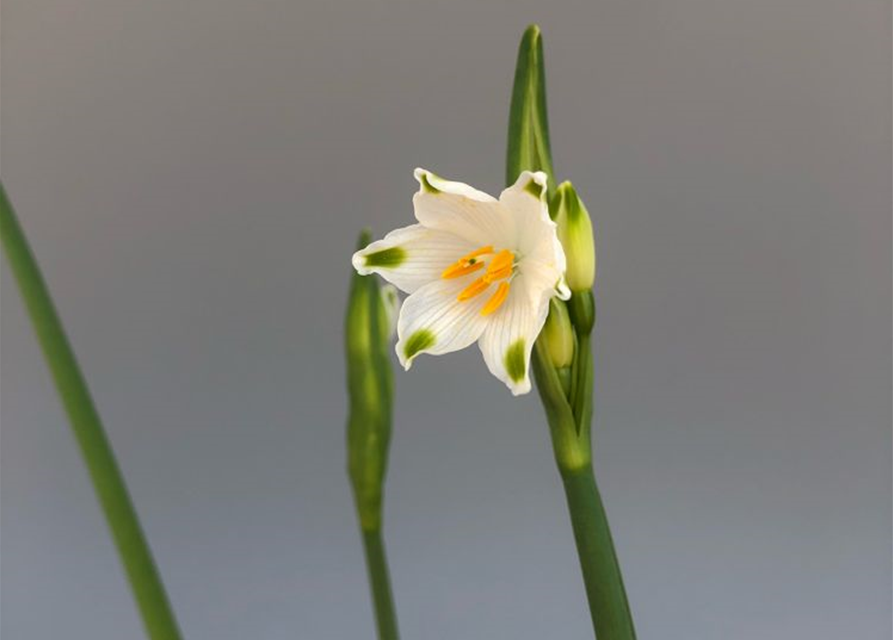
{"x":477,"y":269}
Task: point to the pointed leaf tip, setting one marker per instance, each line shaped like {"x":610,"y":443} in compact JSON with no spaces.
{"x":533,"y":32}
{"x":528,"y":143}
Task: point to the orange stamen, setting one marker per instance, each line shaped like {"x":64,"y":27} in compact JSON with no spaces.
{"x":496,"y":300}
{"x":501,"y":266}
{"x":494,"y":276}
{"x":466,"y":264}
{"x":475,"y":288}
{"x":460,"y":269}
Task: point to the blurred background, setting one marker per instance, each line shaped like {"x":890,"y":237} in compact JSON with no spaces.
{"x":193,"y":175}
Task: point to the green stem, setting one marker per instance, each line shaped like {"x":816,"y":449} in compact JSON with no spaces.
{"x":608,"y":605}
{"x":97,"y":452}
{"x":568,"y":406}
{"x":380,"y":584}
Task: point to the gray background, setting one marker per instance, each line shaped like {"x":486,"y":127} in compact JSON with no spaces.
{"x":192,"y":176}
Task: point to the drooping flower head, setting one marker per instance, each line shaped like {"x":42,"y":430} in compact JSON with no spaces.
{"x":476,"y":269}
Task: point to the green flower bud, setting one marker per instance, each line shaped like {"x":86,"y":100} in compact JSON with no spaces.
{"x":368,"y":331}
{"x":559,"y":335}
{"x":575,"y":233}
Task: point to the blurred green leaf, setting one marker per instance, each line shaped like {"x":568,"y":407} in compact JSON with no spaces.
{"x":370,"y":389}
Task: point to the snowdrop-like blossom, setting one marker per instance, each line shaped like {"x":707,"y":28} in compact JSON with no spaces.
{"x":476,"y":269}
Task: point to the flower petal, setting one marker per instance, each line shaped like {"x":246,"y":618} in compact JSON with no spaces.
{"x":434,"y":321}
{"x":526,"y":199}
{"x":509,"y":337}
{"x":536,"y":232}
{"x":411,"y":257}
{"x":462,"y":210}
{"x":545,"y":278}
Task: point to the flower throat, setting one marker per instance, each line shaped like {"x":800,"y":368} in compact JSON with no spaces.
{"x":499,"y":271}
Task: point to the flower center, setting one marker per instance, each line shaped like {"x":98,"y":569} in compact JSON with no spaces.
{"x":499,"y":271}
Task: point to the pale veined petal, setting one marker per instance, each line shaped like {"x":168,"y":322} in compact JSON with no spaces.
{"x":536,"y":239}
{"x":545,"y":278}
{"x":462,"y":210}
{"x":526,"y":200}
{"x":412,"y":256}
{"x":510,"y":335}
{"x":433,"y":320}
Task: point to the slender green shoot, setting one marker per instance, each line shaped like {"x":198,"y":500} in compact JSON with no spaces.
{"x":139,"y":566}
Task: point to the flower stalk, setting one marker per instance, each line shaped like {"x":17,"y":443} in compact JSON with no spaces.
{"x":145,"y":582}
{"x":368,"y":323}
{"x":568,"y":404}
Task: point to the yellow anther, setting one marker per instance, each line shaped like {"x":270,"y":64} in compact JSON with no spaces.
{"x":501,"y":266}
{"x":479,"y":252}
{"x":466,"y":264}
{"x":496,"y":300}
{"x":460,"y":269}
{"x":475,"y":288}
{"x":494,"y":276}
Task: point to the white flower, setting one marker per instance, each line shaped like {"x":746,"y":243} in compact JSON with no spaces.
{"x":477,"y":269}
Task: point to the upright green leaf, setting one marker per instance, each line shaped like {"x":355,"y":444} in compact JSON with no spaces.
{"x":528,"y":142}
{"x":370,"y":390}
{"x":369,"y":385}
